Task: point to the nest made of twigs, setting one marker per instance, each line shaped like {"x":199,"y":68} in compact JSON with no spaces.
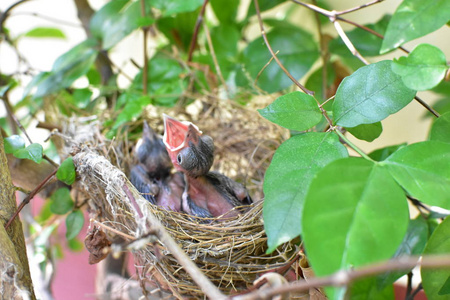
{"x":232,"y":252}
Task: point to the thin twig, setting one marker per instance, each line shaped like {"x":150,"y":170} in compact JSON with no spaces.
{"x":30,"y":196}
{"x":266,"y":41}
{"x":429,"y":108}
{"x":145,"y":70}
{"x":196,"y":30}
{"x":213,"y":55}
{"x":358,"y":7}
{"x":344,"y":278}
{"x":324,"y":54}
{"x":409,"y":285}
{"x":351,"y":145}
{"x":263,"y":68}
{"x":416,"y":291}
{"x":347,"y":41}
{"x":48,"y":18}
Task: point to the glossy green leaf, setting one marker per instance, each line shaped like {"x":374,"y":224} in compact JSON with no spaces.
{"x":66,"y":171}
{"x":45,"y":32}
{"x":74,"y":224}
{"x":165,"y":84}
{"x":117,"y":19}
{"x":434,"y":280}
{"x":133,"y":108}
{"x":347,"y":217}
{"x":369,"y":95}
{"x":297,"y":51}
{"x":423,"y":68}
{"x":75,"y":245}
{"x":422,"y":169}
{"x":440,"y":131}
{"x":67,"y":68}
{"x":413,"y":19}
{"x":32,"y":152}
{"x":225,"y":10}
{"x":383,"y":153}
{"x":61,"y":201}
{"x":13,"y":143}
{"x":295,"y":111}
{"x":263,"y":6}
{"x":364,"y":289}
{"x":412,"y":245}
{"x":170,"y":7}
{"x":366,"y":43}
{"x":287,"y":179}
{"x":366,"y":132}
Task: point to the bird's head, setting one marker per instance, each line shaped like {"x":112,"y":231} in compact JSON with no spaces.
{"x":190,"y":151}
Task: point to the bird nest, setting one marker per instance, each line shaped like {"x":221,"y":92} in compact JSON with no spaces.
{"x":231,"y":253}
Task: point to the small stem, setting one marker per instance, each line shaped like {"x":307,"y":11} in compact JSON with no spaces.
{"x":145,"y":70}
{"x":324,"y":54}
{"x":30,"y":196}
{"x":351,"y":145}
{"x":213,"y":55}
{"x":196,"y":30}
{"x":358,"y":7}
{"x":266,"y":41}
{"x":409,"y":285}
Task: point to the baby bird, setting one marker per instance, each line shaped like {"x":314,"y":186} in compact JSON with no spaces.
{"x":206,"y":194}
{"x":152,"y":174}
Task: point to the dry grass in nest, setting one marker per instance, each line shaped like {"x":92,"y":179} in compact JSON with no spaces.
{"x":231,"y":253}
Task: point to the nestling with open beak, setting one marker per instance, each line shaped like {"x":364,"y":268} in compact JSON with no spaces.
{"x":206,"y":194}
{"x":152,"y":174}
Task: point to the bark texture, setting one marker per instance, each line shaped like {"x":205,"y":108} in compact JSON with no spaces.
{"x":15,"y":272}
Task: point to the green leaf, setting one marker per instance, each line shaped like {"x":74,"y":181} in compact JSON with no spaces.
{"x":413,"y":19}
{"x":74,"y":224}
{"x":423,"y":69}
{"x":347,"y":217}
{"x":369,"y":95}
{"x":62,"y":202}
{"x":366,"y":132}
{"x":134,"y":105}
{"x":45,"y":32}
{"x":225,"y":10}
{"x":13,"y":143}
{"x":412,"y":245}
{"x":295,"y":111}
{"x":364,"y":289}
{"x":314,"y":82}
{"x":422,"y":169}
{"x":45,"y":213}
{"x":179,"y":28}
{"x":440,"y":131}
{"x":75,"y":245}
{"x":297,"y":52}
{"x":445,"y":289}
{"x":287,"y":179}
{"x":263,"y":6}
{"x":366,"y":43}
{"x":82,"y":97}
{"x":165,"y":84}
{"x":434,"y":281}
{"x":117,"y":19}
{"x":383,"y":153}
{"x":66,"y":171}
{"x":33,"y":152}
{"x":170,"y":7}
{"x":67,"y":68}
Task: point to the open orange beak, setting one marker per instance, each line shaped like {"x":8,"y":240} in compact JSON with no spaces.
{"x":177,"y":135}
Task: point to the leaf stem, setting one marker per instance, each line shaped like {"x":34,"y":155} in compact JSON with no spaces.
{"x":351,"y":145}
{"x":196,"y":30}
{"x":266,"y":41}
{"x":145,"y":70}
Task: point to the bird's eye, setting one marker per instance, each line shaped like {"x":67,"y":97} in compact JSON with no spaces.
{"x":179,"y":158}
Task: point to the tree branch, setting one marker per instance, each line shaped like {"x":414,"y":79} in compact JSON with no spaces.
{"x":266,"y":41}
{"x":343,"y":278}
